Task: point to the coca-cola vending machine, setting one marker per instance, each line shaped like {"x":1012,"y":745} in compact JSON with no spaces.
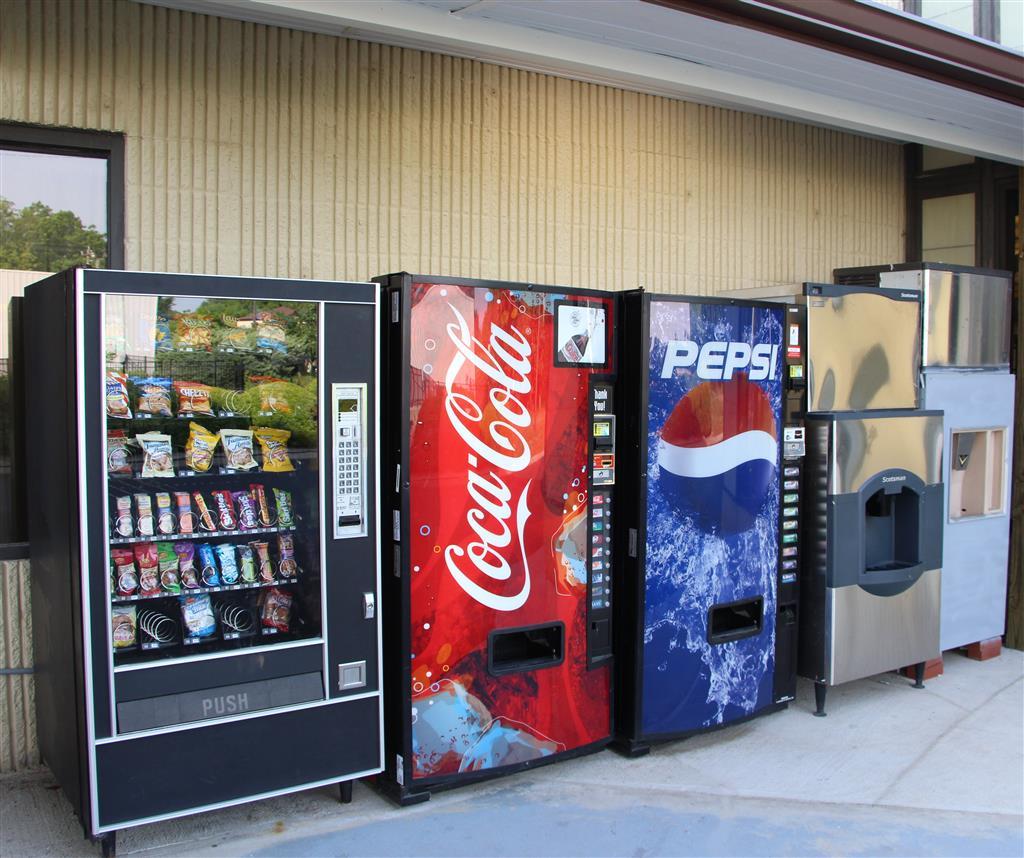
{"x":500,"y":472}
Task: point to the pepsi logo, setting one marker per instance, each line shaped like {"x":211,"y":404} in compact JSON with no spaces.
{"x":718,"y":454}
{"x":718,"y":360}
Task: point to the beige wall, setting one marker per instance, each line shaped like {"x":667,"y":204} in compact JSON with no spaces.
{"x":257,"y":150}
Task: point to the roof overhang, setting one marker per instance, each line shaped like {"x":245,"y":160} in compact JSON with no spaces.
{"x":680,"y":50}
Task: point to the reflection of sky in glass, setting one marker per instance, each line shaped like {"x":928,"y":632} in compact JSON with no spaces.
{"x":63,"y":182}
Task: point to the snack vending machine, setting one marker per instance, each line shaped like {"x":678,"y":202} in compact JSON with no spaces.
{"x":500,"y":489}
{"x":204,"y":539}
{"x":706,"y":589}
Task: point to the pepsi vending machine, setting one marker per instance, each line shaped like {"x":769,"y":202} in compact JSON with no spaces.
{"x":700,"y":587}
{"x":500,"y":464}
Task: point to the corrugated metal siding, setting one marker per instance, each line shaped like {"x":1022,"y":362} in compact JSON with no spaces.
{"x":18,"y":749}
{"x":258,"y":150}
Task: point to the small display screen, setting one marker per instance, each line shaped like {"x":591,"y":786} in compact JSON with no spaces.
{"x":348,"y":406}
{"x":602,"y":429}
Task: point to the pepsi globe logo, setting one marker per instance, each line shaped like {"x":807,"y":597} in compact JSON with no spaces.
{"x":718,"y":454}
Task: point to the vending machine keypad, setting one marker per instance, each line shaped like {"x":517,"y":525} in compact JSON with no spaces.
{"x":348,"y":406}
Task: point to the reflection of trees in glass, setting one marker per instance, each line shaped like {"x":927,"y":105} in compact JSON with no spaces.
{"x":37,"y":238}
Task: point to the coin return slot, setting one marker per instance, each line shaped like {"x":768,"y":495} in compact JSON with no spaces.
{"x":531,"y":648}
{"x":735,"y":620}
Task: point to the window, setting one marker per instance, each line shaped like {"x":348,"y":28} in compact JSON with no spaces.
{"x":61,"y":205}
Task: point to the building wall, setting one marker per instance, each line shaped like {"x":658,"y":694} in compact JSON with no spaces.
{"x":259,"y":150}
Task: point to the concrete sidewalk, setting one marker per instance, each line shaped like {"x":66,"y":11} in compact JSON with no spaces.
{"x":890,"y":771}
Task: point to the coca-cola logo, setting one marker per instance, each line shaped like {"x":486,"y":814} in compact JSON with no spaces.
{"x":495,"y":451}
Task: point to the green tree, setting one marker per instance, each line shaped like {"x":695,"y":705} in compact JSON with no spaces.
{"x":37,"y":238}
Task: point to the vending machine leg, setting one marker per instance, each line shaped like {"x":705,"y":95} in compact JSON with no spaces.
{"x":345,"y":792}
{"x":919,"y":675}
{"x":820,"y":690}
{"x":108,"y":843}
{"x":631,"y":748}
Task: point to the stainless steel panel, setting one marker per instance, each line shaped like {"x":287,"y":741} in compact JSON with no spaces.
{"x":870,"y":634}
{"x":863,"y":352}
{"x":863,"y":447}
{"x":966,"y":316}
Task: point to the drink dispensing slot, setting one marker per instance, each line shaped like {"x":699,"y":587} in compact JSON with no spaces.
{"x":976,"y":473}
{"x":734,"y":621}
{"x":891,"y":519}
{"x":527,"y":648}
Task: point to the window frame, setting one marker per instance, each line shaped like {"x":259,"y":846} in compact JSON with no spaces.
{"x":54,"y":140}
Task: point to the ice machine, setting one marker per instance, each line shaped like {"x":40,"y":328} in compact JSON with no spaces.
{"x":870,"y":587}
{"x":203,"y":526}
{"x":965,"y":356}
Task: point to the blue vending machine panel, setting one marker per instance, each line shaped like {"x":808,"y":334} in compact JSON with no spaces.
{"x":712,"y":525}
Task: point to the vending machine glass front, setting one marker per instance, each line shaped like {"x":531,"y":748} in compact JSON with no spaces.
{"x":212,"y":488}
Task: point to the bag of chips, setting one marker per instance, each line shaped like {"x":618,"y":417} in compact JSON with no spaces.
{"x":123,"y":524}
{"x":238,"y":452}
{"x":162,"y":335}
{"x":146,"y":559}
{"x":119,"y":462}
{"x":261,"y":550}
{"x":193,"y":332}
{"x":286,"y":564}
{"x":277,"y":608}
{"x":274,"y":446}
{"x":273,"y":394}
{"x":144,"y":514}
{"x":164,"y":516}
{"x":235,"y":338}
{"x":154,"y":396}
{"x":123,"y":626}
{"x":117,"y":395}
{"x":197,"y":616}
{"x":168,"y":561}
{"x":157,"y":454}
{"x":247,"y":563}
{"x":186,"y":520}
{"x":208,"y":572}
{"x":262,"y":507}
{"x":283,"y":502}
{"x":205,"y":519}
{"x":186,"y":553}
{"x":126,"y":578}
{"x":199,"y":447}
{"x":270,"y":334}
{"x":194,"y":399}
{"x":228,"y":563}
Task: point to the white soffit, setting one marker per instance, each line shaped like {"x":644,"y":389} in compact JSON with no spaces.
{"x":648,"y":48}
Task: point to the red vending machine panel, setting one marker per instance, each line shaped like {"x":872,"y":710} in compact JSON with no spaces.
{"x":499,"y":549}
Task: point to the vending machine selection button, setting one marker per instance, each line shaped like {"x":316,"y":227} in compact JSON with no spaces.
{"x":789,"y":525}
{"x":789,"y":511}
{"x":791,"y":472}
{"x":790,"y":498}
{"x":791,"y":485}
{"x":789,"y":564}
{"x":789,"y":538}
{"x":789,"y":552}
